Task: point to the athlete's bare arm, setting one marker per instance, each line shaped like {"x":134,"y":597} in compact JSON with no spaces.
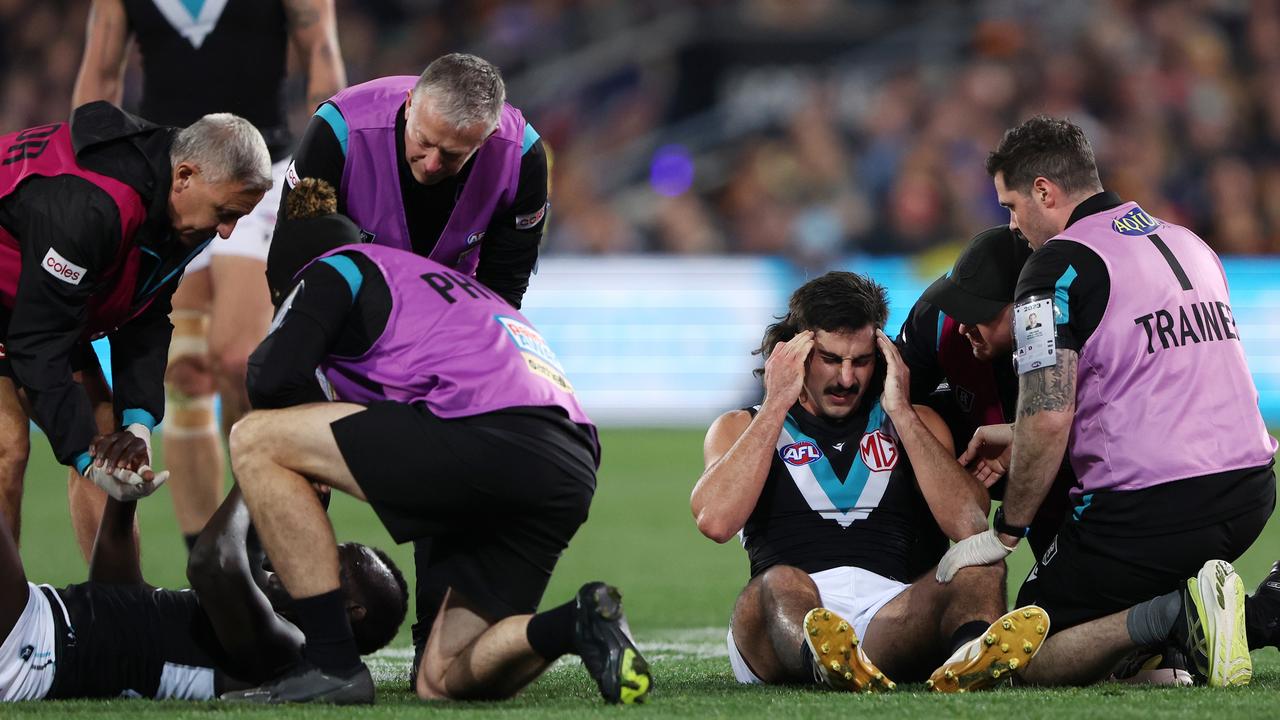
{"x":313,"y":29}
{"x":739,"y":449}
{"x":106,"y":48}
{"x":1046,"y":410}
{"x":958,"y":502}
{"x":247,"y":627}
{"x":115,"y":550}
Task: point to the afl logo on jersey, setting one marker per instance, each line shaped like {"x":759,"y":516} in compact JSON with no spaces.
{"x":879,"y":451}
{"x":1135,"y":222}
{"x":801,"y":453}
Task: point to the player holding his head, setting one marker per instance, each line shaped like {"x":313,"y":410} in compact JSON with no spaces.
{"x":97,"y":221}
{"x":1143,"y":386}
{"x":830,"y":482}
{"x":116,"y":635}
{"x":452,"y":417}
{"x":197,"y":58}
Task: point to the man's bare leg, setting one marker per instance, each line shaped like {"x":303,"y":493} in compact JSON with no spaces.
{"x":768,"y":624}
{"x":916,"y":631}
{"x":470,"y":658}
{"x":85,"y":499}
{"x":15,"y":447}
{"x":191,"y":438}
{"x":276,"y":455}
{"x":1083,"y":654}
{"x":240,"y":318}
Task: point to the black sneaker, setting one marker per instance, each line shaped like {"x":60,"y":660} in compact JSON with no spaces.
{"x":418,"y":651}
{"x":307,"y":683}
{"x":1263,"y":617}
{"x":1163,"y":666}
{"x":603,"y":641}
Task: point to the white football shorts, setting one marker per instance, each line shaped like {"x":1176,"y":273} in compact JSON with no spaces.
{"x":27,"y":657}
{"x":852,"y":593}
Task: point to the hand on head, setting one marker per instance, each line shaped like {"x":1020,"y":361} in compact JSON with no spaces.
{"x":784,"y":370}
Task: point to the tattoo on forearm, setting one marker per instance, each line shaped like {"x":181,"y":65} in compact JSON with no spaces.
{"x":1050,"y":388}
{"x":300,"y":14}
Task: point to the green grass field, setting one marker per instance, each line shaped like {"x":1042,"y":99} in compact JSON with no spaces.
{"x":678,"y":589}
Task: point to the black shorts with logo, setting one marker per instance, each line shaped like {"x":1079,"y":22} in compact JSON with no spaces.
{"x":1123,"y":548}
{"x":499,"y":495}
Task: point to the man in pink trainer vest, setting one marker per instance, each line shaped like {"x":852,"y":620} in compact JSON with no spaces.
{"x":1140,"y":381}
{"x":442,"y":166}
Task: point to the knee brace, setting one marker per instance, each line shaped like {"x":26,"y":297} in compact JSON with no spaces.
{"x":188,"y":415}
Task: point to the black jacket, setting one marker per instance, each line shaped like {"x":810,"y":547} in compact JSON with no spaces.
{"x":81,"y":222}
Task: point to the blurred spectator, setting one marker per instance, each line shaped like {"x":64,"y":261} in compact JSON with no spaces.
{"x":812,"y":136}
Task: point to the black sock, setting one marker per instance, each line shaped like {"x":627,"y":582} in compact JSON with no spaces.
{"x":812,"y":669}
{"x":330,"y":645}
{"x":1152,"y":622}
{"x":550,"y":633}
{"x":190,"y":540}
{"x":967,"y":632}
{"x":1261,"y":622}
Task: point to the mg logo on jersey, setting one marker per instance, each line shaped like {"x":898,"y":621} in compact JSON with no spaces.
{"x":801,"y":453}
{"x":1135,"y":222}
{"x":879,"y":451}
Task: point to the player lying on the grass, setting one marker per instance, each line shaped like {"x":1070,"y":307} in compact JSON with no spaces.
{"x":831,"y":481}
{"x":116,"y":635}
{"x":467,"y":432}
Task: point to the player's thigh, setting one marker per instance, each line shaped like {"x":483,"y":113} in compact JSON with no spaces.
{"x":300,"y":439}
{"x":241,"y":308}
{"x":778,"y":587}
{"x":902,"y":638}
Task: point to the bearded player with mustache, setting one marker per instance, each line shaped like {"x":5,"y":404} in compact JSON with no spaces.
{"x":830,"y":483}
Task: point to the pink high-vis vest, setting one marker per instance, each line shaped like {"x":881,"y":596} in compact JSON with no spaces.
{"x":1162,"y":392}
{"x":46,"y":151}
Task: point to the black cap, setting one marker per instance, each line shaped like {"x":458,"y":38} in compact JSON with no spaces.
{"x":984,"y":278}
{"x":299,"y":241}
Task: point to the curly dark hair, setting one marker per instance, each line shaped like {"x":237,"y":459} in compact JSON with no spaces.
{"x":1046,"y":147}
{"x":311,"y":198}
{"x":838,"y":300}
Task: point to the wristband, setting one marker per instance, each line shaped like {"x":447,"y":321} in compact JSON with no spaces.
{"x":1000,"y":526}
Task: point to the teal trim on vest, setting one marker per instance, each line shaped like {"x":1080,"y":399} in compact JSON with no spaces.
{"x":1085,"y":502}
{"x":843,"y":494}
{"x":139,"y":416}
{"x":942,"y":318}
{"x":530,"y":137}
{"x":346,"y":267}
{"x":333,"y":116}
{"x":1061,"y":305}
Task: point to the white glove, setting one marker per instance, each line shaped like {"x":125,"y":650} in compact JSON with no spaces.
{"x":139,"y":430}
{"x":981,"y":549}
{"x":125,"y":485}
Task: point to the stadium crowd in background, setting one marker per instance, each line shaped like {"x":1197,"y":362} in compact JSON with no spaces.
{"x":888,"y":162}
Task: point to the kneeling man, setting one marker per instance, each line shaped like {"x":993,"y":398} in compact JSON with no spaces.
{"x":455,"y":421}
